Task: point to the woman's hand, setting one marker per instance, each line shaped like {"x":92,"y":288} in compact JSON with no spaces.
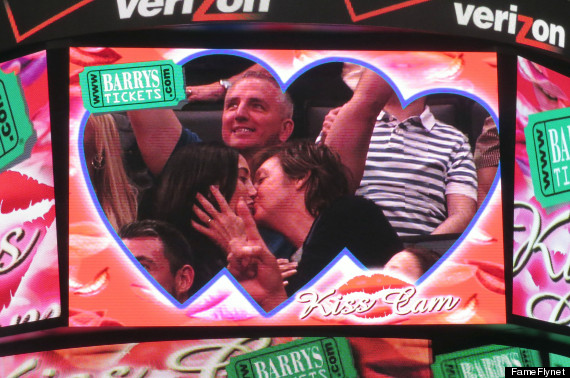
{"x":221,"y":226}
{"x":254,"y":266}
{"x":249,"y":259}
{"x":209,"y":92}
{"x":287,"y":268}
{"x":328,"y":123}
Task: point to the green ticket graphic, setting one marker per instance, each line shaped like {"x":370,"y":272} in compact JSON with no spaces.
{"x":16,"y":129}
{"x":132,"y":86}
{"x":557,"y":360}
{"x":483,"y":362}
{"x":309,"y":357}
{"x":548,"y":146}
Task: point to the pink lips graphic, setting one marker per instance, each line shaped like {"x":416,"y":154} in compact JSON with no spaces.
{"x":20,"y":192}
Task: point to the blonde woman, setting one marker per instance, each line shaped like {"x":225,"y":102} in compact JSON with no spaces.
{"x":103,"y":156}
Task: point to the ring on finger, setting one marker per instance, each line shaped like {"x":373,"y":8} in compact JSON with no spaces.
{"x":209,"y":220}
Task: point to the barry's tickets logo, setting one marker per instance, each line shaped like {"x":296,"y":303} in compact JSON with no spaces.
{"x":309,"y":357}
{"x":16,"y":129}
{"x":548,"y":147}
{"x":132,"y":86}
{"x":484,"y":362}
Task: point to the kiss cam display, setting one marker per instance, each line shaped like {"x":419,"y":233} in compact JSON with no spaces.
{"x":284,"y":191}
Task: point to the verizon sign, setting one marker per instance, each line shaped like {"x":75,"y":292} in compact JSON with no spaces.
{"x":528,"y":31}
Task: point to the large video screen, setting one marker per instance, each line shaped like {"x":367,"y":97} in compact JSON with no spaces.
{"x":284,"y":187}
{"x":254,"y":357}
{"x":542,"y":195}
{"x":29,"y":273}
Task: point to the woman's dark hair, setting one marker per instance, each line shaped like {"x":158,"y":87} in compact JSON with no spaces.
{"x":326,"y":176}
{"x":192,"y":169}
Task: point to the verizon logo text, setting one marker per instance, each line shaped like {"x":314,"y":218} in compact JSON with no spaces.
{"x":151,"y":8}
{"x":536,"y":33}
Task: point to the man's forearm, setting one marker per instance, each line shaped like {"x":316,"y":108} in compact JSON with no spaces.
{"x":453,"y":224}
{"x":157,"y":131}
{"x":461,"y":210}
{"x":352,"y":129}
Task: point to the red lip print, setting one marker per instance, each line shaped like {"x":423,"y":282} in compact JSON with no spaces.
{"x":93,"y":56}
{"x":20,"y":192}
{"x":378,"y":311}
{"x":490,"y":275}
{"x":94,"y":287}
{"x":371,"y":284}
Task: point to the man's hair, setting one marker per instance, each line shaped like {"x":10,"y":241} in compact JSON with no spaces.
{"x":326,"y":176}
{"x":176,"y":249}
{"x":284,"y":98}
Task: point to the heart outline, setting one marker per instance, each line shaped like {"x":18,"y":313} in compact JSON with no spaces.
{"x":345,"y":252}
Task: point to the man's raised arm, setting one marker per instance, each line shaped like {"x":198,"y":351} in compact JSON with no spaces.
{"x":351,"y":130}
{"x":157,"y":132}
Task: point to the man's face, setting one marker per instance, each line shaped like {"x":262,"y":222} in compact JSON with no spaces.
{"x":149,"y":251}
{"x":253,"y":116}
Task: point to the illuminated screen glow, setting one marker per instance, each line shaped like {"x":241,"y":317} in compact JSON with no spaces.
{"x":208,"y":358}
{"x":109,"y":286}
{"x":29,"y":274}
{"x":541,"y":238}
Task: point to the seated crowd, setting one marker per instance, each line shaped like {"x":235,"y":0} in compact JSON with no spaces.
{"x":366,"y":182}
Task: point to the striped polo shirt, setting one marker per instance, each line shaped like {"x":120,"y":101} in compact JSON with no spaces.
{"x":411,"y":166}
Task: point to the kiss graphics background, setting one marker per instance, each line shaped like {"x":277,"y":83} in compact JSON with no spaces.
{"x":208,"y":358}
{"x":539,"y":89}
{"x":27,"y":201}
{"x":121,"y":292}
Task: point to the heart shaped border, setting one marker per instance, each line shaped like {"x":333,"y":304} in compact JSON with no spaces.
{"x":284,"y":86}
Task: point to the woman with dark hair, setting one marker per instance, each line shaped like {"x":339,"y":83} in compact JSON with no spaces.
{"x":191,"y":172}
{"x":303,"y":193}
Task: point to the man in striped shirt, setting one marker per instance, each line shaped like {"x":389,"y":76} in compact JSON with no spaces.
{"x":420,"y":171}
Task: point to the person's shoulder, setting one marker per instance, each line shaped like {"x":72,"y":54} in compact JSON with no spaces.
{"x":350,"y":204}
{"x":187,"y":137}
{"x":429,"y":119}
{"x":449,"y":132}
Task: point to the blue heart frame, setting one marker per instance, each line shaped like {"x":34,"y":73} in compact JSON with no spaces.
{"x":345,"y":253}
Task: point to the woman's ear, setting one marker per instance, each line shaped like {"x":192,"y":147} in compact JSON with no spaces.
{"x":301,"y":182}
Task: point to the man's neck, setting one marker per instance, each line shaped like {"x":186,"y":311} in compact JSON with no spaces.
{"x":298,"y":228}
{"x":249,"y":154}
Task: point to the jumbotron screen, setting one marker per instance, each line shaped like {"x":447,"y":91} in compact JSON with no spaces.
{"x":541,"y":194}
{"x":284,"y":187}
{"x":29,"y":270}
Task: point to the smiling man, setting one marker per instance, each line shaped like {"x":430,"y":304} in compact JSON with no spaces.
{"x":256,"y":114}
{"x":164,"y":253}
